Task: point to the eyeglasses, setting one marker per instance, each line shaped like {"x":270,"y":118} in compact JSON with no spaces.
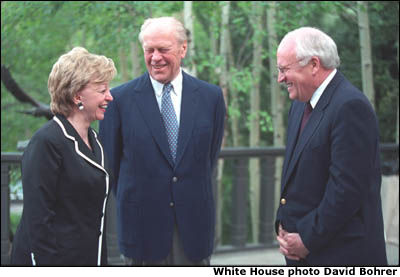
{"x":286,"y":68}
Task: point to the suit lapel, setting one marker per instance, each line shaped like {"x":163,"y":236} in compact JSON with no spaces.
{"x":296,"y":147}
{"x":97,"y":148}
{"x":293,"y":130}
{"x":302,"y":140}
{"x":96,"y":159}
{"x":147,"y":104}
{"x":188,"y":112}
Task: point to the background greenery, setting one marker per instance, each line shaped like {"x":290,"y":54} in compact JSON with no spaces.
{"x":35,"y":34}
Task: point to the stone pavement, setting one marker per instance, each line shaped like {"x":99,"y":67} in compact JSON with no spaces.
{"x":272,"y":257}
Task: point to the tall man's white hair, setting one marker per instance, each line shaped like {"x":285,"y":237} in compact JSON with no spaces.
{"x":311,"y":42}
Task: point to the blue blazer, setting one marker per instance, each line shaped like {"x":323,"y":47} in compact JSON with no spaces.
{"x":152,"y":192}
{"x":331,"y":179}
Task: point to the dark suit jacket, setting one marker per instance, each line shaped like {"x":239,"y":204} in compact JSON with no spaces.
{"x":65,"y":188}
{"x":152,"y":192}
{"x":331,"y":179}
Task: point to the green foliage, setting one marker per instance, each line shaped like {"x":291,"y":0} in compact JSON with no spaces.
{"x":15,"y":218}
{"x":15,"y":183}
{"x":265,"y":122}
{"x":35,"y":34}
{"x":386,"y":65}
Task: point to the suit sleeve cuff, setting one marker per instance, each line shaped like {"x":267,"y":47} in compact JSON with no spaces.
{"x":307,"y":230}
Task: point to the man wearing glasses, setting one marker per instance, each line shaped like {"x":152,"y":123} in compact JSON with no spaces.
{"x":330,"y":207}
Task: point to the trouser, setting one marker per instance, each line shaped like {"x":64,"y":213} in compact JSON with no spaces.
{"x":175,"y":257}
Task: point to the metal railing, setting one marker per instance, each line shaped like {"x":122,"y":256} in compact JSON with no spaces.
{"x":236,"y":165}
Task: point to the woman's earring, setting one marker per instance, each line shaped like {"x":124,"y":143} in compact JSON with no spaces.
{"x":80,"y":106}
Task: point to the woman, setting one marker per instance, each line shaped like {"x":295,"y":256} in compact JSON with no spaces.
{"x":64,"y":176}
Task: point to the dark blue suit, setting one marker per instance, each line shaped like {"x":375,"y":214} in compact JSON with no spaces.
{"x":152,"y":192}
{"x":331,"y":179}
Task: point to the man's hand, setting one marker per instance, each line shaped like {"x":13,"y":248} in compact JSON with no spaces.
{"x":291,"y":245}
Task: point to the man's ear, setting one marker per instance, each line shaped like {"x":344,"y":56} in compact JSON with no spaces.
{"x":184,"y":49}
{"x":315,"y":64}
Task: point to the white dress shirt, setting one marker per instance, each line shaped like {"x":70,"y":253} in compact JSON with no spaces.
{"x":176,"y":95}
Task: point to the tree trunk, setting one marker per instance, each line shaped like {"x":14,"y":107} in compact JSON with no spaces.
{"x":213,"y":33}
{"x":234,"y":111}
{"x":123,"y":66}
{"x":136,"y":59}
{"x":223,"y":82}
{"x":188,"y":21}
{"x":397,"y":128}
{"x":254,"y":163}
{"x":278,"y":99}
{"x":365,"y":45}
{"x":224,"y":48}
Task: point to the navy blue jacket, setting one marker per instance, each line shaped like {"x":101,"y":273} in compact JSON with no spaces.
{"x":331,"y":179}
{"x":152,"y":192}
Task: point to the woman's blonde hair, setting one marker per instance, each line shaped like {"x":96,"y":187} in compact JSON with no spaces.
{"x":72,"y":72}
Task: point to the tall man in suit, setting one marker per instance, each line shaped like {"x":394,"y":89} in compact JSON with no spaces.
{"x":330,"y":207}
{"x":162,"y":135}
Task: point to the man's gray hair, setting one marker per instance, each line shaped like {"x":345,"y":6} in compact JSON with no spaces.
{"x":311,"y":42}
{"x":165,"y":22}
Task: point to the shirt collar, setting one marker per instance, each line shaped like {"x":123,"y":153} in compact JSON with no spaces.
{"x":176,"y":83}
{"x":318,"y":93}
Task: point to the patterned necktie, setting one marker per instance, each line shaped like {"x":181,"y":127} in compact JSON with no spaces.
{"x":307,"y":112}
{"x":169,"y":118}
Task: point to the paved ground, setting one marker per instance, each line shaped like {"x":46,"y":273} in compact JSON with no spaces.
{"x":253,"y":257}
{"x":273,"y":257}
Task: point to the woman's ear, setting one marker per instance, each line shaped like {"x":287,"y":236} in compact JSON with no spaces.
{"x":77,"y":99}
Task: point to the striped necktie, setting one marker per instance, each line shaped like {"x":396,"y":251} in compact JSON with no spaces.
{"x":169,"y":118}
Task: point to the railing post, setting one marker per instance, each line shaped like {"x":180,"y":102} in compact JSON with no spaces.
{"x":267,"y":212}
{"x":217,"y":205}
{"x":5,"y":214}
{"x":240,"y":193}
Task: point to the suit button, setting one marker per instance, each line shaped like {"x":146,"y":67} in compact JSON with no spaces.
{"x":175,"y":179}
{"x":283,"y":201}
{"x":171,"y":204}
